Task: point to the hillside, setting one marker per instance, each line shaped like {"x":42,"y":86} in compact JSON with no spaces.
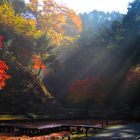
{"x":24,"y":94}
{"x":25,"y":45}
{"x":101,"y":71}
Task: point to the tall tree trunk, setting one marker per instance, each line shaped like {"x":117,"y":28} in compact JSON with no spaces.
{"x":40,"y":68}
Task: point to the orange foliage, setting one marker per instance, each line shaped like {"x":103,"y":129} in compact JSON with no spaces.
{"x":134,"y":74}
{"x":3,"y":75}
{"x":38,"y":63}
{"x":54,"y":20}
{"x":52,"y":136}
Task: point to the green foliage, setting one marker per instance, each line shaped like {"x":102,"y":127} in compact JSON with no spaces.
{"x":31,"y":116}
{"x":27,"y":34}
{"x":17,"y":23}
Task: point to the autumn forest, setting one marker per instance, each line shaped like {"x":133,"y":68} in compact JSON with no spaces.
{"x":58,"y":63}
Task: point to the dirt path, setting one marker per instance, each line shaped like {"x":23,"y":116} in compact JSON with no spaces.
{"x":119,"y":132}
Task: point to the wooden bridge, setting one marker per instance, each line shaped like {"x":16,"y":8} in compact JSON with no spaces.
{"x":31,"y":130}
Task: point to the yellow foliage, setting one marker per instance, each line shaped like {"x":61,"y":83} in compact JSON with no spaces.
{"x":55,"y":20}
{"x":17,"y":23}
{"x":52,"y":20}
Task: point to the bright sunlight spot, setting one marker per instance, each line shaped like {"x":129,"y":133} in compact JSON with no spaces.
{"x":101,"y":5}
{"x":82,"y":6}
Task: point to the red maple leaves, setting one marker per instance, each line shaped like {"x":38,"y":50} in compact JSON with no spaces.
{"x":38,"y":63}
{"x":3,"y":68}
{"x":3,"y":74}
{"x":88,"y":88}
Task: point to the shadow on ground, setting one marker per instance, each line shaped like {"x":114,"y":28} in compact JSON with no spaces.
{"x":119,"y":132}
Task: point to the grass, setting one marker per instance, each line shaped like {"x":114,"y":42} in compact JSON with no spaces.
{"x":11,"y":117}
{"x":91,"y":133}
{"x":82,"y":136}
{"x":29,"y":116}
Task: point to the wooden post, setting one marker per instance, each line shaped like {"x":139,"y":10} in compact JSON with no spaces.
{"x":77,"y":129}
{"x":68,"y":137}
{"x":86,"y":132}
{"x":107,"y":124}
{"x":102,"y":124}
{"x":68,"y":128}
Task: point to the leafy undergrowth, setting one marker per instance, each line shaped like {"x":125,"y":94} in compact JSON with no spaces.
{"x":53,"y":136}
{"x":11,"y":117}
{"x":82,"y":136}
{"x":24,"y":94}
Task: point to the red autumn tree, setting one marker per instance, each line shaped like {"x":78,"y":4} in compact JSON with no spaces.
{"x":3,"y":74}
{"x":38,"y":64}
{"x":88,"y":88}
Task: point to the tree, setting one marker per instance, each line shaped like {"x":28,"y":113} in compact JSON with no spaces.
{"x":56,"y":22}
{"x":3,"y":74}
{"x":19,"y":6}
{"x":17,"y":23}
{"x":38,"y":64}
{"x":53,"y":19}
{"x":131,"y":21}
{"x":38,"y":29}
{"x":87,"y":90}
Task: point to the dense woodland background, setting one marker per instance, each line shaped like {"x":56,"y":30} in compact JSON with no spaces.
{"x":81,"y":64}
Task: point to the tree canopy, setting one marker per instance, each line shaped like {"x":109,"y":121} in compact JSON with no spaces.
{"x":3,"y":74}
{"x":33,"y":29}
